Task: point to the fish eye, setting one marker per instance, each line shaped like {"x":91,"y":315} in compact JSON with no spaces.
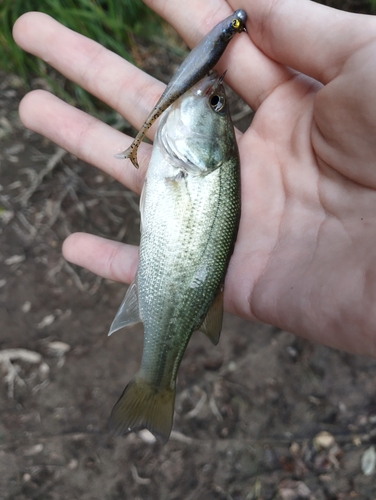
{"x":235,"y":23}
{"x":217,"y":102}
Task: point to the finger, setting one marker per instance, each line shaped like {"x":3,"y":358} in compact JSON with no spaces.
{"x":250,"y":73}
{"x":110,"y":259}
{"x":84,"y":136}
{"x":311,"y":38}
{"x":104,"y":74}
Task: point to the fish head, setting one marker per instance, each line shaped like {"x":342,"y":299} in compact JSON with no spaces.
{"x":197,"y":130}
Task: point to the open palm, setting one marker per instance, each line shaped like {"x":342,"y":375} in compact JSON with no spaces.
{"x":305,"y":257}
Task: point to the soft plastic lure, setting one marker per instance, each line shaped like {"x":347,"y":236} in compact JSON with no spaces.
{"x":195,"y":66}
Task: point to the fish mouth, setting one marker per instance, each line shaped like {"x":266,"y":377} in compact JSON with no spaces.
{"x":208,"y":84}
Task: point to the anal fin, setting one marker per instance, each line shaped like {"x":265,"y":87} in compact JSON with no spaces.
{"x":212,"y":324}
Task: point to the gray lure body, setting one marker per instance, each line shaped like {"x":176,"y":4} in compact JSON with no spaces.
{"x":202,"y":58}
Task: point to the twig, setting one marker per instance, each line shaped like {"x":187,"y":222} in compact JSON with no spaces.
{"x":76,"y":279}
{"x":36,"y":179}
{"x":137,"y":478}
{"x":178,"y":436}
{"x":55,"y":270}
{"x":196,"y":410}
{"x":214,"y":409}
{"x":12,"y":377}
{"x":56,"y":209}
{"x":32,"y":231}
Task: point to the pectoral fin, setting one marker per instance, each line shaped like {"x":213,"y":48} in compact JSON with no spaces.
{"x":212,"y":324}
{"x":128,"y":313}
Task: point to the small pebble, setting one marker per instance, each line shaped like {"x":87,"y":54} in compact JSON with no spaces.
{"x":58,"y":349}
{"x":46,"y":321}
{"x":15,"y":259}
{"x":26,"y":307}
{"x":146,"y":436}
{"x":368,"y":461}
{"x":323,"y":440}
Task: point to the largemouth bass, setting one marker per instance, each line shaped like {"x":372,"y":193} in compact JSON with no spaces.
{"x":190,"y":207}
{"x":202,"y":58}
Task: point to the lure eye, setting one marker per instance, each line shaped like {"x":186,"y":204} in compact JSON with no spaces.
{"x":235,"y":23}
{"x":217,"y":102}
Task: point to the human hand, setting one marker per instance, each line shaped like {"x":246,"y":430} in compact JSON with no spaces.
{"x":305,"y":257}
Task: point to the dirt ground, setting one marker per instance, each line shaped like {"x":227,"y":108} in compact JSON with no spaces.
{"x":262,"y":416}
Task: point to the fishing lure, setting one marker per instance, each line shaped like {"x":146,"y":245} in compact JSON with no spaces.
{"x":196,"y":65}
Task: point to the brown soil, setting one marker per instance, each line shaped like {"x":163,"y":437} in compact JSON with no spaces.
{"x":248,"y":412}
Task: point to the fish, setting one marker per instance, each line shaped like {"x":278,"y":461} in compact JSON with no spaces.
{"x":190,"y":208}
{"x":202,"y":58}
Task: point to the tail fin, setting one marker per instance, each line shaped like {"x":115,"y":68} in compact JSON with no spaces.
{"x":142,"y":405}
